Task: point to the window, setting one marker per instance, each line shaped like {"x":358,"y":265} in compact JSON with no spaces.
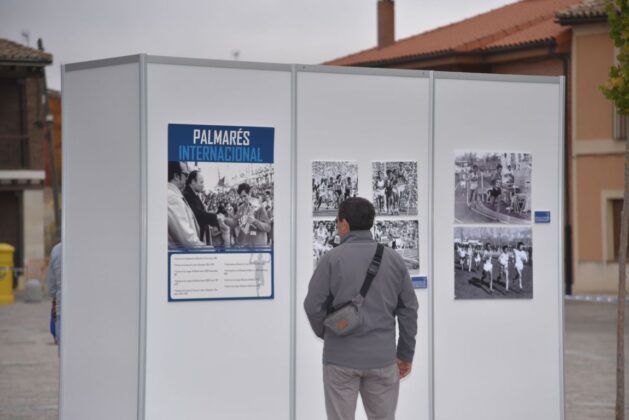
{"x":616,"y":205}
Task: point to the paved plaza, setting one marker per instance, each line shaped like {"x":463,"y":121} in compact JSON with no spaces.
{"x":29,"y":365}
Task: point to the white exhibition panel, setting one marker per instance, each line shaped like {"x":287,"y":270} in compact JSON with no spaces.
{"x":217,"y":359}
{"x":129,"y":353}
{"x":101,"y":243}
{"x":359,"y":117}
{"x":499,"y":359}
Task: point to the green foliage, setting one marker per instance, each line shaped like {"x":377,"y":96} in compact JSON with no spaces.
{"x":616,"y":89}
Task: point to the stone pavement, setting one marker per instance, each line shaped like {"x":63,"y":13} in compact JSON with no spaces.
{"x":29,"y":365}
{"x":590,"y":360}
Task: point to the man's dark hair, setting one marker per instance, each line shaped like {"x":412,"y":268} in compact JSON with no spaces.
{"x":174,"y":168}
{"x":191,"y":177}
{"x":358,"y":212}
{"x":243,"y":187}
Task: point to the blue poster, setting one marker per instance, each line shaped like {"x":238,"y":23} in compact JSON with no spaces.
{"x":220,"y":212}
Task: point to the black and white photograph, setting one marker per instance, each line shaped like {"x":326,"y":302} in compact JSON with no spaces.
{"x":492,"y":187}
{"x":493,"y":263}
{"x":394,"y":187}
{"x":403,"y":237}
{"x":227,"y":205}
{"x":325,"y":237}
{"x":332,"y":183}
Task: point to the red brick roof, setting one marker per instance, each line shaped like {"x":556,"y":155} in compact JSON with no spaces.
{"x":520,"y":24}
{"x":16,"y":53}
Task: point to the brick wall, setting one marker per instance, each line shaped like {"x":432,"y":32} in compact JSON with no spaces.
{"x":34,"y":119}
{"x":21,"y":134}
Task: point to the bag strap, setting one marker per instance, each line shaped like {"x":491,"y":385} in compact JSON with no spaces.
{"x":372,"y":270}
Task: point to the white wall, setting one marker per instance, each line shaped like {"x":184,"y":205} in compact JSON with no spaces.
{"x":101,"y":243}
{"x":222,"y":359}
{"x":498,"y":359}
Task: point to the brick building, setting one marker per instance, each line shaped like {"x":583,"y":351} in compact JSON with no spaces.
{"x":22,"y":150}
{"x":540,"y":37}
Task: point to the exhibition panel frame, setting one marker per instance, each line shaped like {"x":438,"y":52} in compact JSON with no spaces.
{"x":373,"y":120}
{"x":102,"y":225}
{"x":151,"y":338}
{"x":492,"y":348}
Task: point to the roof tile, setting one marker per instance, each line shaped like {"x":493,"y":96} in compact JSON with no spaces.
{"x":547,"y":30}
{"x":520,"y":23}
{"x":585,"y":9}
{"x":13,"y":52}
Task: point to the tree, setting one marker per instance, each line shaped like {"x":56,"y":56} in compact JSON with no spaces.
{"x":616,"y":89}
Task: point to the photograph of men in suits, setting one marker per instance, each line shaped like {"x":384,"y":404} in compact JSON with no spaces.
{"x":183,"y":229}
{"x":194,"y":188}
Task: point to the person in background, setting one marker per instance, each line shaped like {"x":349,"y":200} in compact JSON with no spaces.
{"x":253,"y":221}
{"x":53,"y":280}
{"x":268,"y":206}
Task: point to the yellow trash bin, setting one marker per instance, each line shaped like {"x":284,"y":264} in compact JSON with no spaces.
{"x":6,"y":274}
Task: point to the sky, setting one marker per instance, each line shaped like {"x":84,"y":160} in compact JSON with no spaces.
{"x":280,"y":31}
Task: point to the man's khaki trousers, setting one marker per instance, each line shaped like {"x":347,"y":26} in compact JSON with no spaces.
{"x":379,"y":389}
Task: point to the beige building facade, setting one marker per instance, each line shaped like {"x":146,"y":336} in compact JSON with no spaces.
{"x":598,"y":143}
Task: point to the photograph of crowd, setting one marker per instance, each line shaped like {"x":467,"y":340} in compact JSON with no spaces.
{"x":493,"y":263}
{"x":220,"y":205}
{"x":403,"y":237}
{"x":394,"y":188}
{"x":332,"y":183}
{"x":492,"y":187}
{"x":325,"y":237}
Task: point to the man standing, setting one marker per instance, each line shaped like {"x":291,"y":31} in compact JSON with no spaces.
{"x":253,"y":221}
{"x":183,"y":229}
{"x":194,"y":186}
{"x":366,"y":361}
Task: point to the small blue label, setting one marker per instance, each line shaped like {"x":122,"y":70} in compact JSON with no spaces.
{"x":420,"y":282}
{"x":542,"y":217}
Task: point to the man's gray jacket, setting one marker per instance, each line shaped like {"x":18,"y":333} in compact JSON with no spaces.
{"x":338,"y":278}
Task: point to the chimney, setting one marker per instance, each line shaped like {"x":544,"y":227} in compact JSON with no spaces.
{"x":386,"y":23}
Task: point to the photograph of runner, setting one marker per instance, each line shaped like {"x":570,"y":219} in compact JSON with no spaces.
{"x":332,"y":183}
{"x":492,"y":187}
{"x":325,"y":237}
{"x":493,"y":263}
{"x":403,"y":237}
{"x":394,"y":187}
